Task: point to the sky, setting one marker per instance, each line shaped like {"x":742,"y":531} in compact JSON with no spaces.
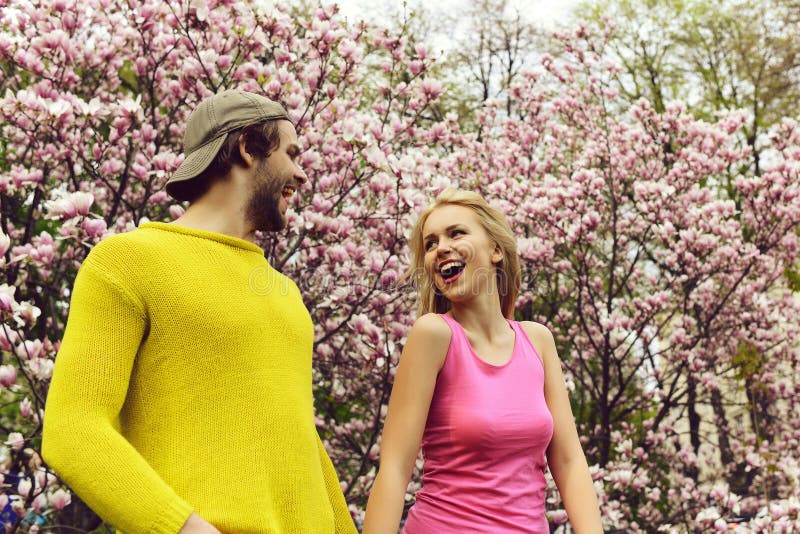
{"x":548,"y":13}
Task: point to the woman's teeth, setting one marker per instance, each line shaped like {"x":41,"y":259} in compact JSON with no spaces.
{"x":450,"y":269}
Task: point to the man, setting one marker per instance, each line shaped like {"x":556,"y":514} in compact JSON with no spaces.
{"x":181,"y":398}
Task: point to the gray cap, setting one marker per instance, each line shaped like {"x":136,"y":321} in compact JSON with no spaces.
{"x":210,"y":123}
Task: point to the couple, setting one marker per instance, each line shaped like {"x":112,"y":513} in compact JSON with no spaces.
{"x":181,"y":399}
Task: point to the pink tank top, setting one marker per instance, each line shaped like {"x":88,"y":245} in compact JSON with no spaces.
{"x":484,"y":444}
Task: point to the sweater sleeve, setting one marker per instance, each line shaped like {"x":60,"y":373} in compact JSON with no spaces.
{"x":81,"y":438}
{"x":344,"y":521}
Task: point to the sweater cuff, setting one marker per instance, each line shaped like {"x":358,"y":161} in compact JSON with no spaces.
{"x":172,"y":517}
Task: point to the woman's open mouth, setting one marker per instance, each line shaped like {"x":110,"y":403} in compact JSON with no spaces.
{"x":450,"y":270}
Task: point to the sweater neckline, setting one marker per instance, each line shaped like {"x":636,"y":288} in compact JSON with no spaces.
{"x":204,"y":234}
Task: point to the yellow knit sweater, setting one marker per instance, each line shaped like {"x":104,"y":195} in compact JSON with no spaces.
{"x":183,"y":383}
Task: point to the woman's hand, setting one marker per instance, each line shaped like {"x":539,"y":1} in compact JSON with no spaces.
{"x":197,"y":525}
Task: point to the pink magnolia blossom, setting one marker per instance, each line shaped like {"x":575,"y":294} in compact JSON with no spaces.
{"x":7,"y":302}
{"x":67,"y":206}
{"x":59,"y":499}
{"x":8,"y":375}
{"x":39,"y":504}
{"x":431,"y":88}
{"x":41,"y":368}
{"x":26,"y":314}
{"x":5,"y":243}
{"x":94,"y":228}
{"x":176,"y":211}
{"x":25,"y":407}
{"x":16,"y":441}
{"x":30,"y":349}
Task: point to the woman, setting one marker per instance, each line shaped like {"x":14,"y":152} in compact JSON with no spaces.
{"x":483,"y":394}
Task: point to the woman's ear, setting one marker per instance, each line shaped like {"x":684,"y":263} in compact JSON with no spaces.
{"x":497,"y":254}
{"x":247,"y":157}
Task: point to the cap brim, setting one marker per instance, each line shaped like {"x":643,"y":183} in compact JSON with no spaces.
{"x":194,"y":164}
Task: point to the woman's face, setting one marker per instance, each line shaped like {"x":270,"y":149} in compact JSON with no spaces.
{"x":460,"y":257}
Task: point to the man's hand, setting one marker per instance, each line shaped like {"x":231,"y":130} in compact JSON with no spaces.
{"x":197,"y":525}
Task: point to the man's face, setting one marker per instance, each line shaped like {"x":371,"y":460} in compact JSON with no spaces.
{"x":275,"y":181}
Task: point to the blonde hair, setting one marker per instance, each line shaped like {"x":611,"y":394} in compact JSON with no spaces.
{"x":497,"y":228}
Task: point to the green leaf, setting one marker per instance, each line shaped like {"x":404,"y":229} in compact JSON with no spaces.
{"x":127,"y":73}
{"x":792,"y":279}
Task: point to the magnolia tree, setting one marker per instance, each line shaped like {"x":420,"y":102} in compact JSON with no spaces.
{"x":667,"y":297}
{"x":666,"y":294}
{"x":95,"y":96}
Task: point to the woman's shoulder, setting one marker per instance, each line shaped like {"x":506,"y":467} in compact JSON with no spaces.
{"x":429,"y":339}
{"x":432,"y":327}
{"x":537,"y":330}
{"x":542,"y":340}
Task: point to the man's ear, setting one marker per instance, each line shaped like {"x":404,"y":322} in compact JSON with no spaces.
{"x":247,"y":157}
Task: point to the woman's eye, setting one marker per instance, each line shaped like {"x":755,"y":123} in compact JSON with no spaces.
{"x":457,"y":232}
{"x":429,"y":244}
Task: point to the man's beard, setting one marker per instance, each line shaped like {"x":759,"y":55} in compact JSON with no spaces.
{"x":263,"y":208}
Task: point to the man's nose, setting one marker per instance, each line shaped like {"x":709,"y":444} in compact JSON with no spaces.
{"x":300,"y":175}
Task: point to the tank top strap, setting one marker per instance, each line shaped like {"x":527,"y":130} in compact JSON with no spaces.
{"x":525,"y":345}
{"x":449,"y":320}
{"x":455,"y":329}
{"x":459,"y":344}
{"x":518,"y":331}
